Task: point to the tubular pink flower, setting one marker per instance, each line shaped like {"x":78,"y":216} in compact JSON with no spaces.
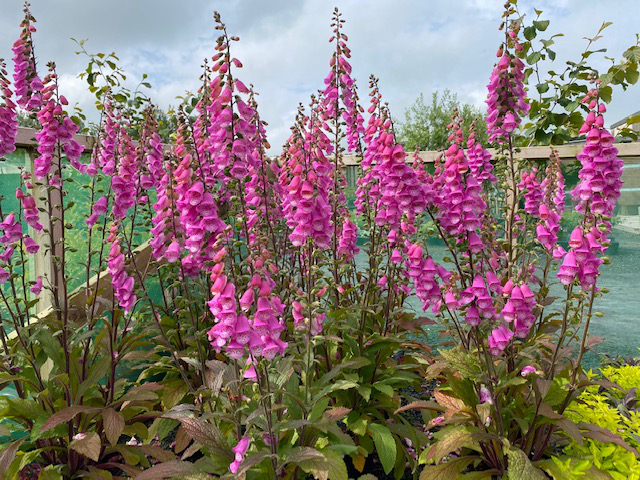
{"x":506,"y":100}
{"x":499,"y":339}
{"x":30,"y":211}
{"x":533,"y":193}
{"x":552,"y":206}
{"x":232,"y":165}
{"x":123,"y":283}
{"x":596,"y":195}
{"x":306,"y":176}
{"x":12,"y":230}
{"x":57,"y":130}
{"x":8,"y":114}
{"x":479,"y":159}
{"x":27,"y":83}
{"x":36,"y":288}
{"x":240,"y":451}
{"x":30,"y":245}
{"x":123,"y":182}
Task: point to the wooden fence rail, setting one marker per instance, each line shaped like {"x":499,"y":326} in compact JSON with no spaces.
{"x":629,"y":152}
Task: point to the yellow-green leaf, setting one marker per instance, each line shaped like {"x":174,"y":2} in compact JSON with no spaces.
{"x":385,"y":445}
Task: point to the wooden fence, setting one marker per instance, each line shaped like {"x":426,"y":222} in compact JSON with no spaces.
{"x":629,"y":202}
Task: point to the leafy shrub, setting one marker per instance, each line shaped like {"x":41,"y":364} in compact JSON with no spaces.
{"x":614,"y":409}
{"x":226,"y":322}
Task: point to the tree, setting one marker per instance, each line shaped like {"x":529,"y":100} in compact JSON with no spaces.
{"x":425,"y":126}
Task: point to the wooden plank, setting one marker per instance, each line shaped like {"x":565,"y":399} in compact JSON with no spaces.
{"x":78,"y":297}
{"x":566,"y":152}
{"x":26,"y":139}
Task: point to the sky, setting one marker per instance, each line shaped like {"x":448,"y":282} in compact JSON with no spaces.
{"x":413,"y":46}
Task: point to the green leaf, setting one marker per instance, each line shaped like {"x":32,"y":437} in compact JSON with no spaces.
{"x":386,"y":389}
{"x":97,"y":371}
{"x":339,"y":385}
{"x":534,"y":58}
{"x":450,"y":439}
{"x":605,"y":93}
{"x":161,"y":427}
{"x":633,"y":120}
{"x":542,"y":87}
{"x":632,"y":76}
{"x":173,"y":392}
{"x":301,"y":454}
{"x":205,"y":433}
{"x":336,"y":466}
{"x":520,"y":468}
{"x":556,"y":471}
{"x":354,"y":363}
{"x":529,"y":33}
{"x":365,"y":391}
{"x":462,"y":362}
{"x":51,"y":472}
{"x":325,"y":465}
{"x":541,"y":24}
{"x":98,"y":473}
{"x":632,"y":54}
{"x":445,"y":471}
{"x":604,"y":25}
{"x":87,"y":444}
{"x":385,"y":445}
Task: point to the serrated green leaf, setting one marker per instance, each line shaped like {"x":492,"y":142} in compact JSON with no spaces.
{"x":386,"y":389}
{"x":449,"y":440}
{"x":520,"y":467}
{"x":385,"y":445}
{"x":336,"y":466}
{"x":462,"y":362}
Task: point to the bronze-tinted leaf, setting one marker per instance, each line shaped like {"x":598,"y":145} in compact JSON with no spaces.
{"x":87,"y":444}
{"x":66,"y":415}
{"x":113,"y":424}
{"x":448,"y":402}
{"x":421,"y":405}
{"x":169,"y":470}
{"x":7,"y":456}
{"x":445,"y":471}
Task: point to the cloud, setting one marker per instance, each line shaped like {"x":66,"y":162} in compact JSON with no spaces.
{"x":413,"y":46}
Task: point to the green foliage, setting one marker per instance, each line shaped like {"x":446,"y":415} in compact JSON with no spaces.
{"x":556,"y":112}
{"x":425,"y":125}
{"x":102,"y":392}
{"x":605,"y":410}
{"x":28,"y":121}
{"x":626,"y":376}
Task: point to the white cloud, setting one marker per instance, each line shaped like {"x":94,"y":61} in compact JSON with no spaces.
{"x":414,"y":46}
